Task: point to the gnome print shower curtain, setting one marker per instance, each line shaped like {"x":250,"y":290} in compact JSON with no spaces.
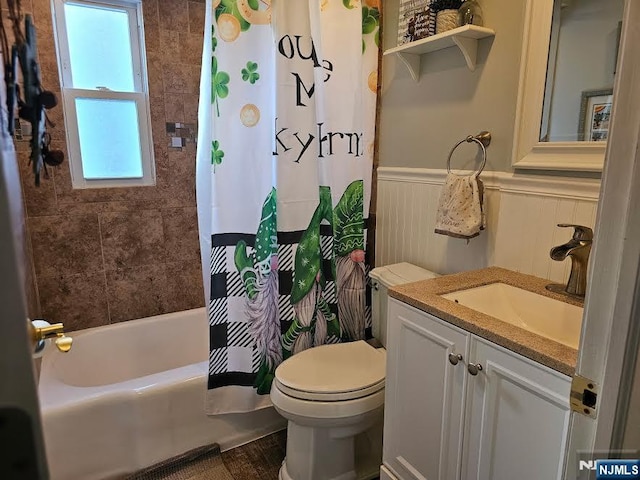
{"x":285,"y":152}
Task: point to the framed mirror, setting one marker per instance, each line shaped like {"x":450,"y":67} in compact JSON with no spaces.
{"x":566,"y":84}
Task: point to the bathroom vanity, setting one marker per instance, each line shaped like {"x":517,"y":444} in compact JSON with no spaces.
{"x":470,"y":396}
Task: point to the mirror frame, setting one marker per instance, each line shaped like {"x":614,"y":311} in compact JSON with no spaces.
{"x":528,"y":151}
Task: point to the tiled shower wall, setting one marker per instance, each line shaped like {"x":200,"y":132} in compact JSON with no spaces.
{"x":114,"y":254}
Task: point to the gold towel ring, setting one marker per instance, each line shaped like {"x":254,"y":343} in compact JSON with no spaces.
{"x":483,"y":139}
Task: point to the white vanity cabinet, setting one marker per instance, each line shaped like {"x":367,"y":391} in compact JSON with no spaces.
{"x":424,"y":395}
{"x":508,"y":421}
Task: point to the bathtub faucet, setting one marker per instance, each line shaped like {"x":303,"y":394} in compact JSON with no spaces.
{"x":578,"y":248}
{"x":39,"y":331}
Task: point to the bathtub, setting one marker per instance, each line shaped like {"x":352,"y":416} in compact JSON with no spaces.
{"x":132,"y":394}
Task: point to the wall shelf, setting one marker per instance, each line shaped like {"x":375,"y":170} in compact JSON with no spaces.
{"x":465,"y":38}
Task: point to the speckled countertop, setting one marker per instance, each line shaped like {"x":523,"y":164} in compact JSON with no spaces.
{"x":425,"y":295}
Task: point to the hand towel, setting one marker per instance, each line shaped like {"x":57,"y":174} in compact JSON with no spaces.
{"x":460,"y":213}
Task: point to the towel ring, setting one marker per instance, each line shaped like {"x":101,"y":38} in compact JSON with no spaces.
{"x":483,"y":139}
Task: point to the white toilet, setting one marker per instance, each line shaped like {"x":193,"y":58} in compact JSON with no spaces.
{"x":333,"y":397}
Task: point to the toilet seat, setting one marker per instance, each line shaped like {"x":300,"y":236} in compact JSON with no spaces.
{"x":325,"y":414}
{"x":329,"y":397}
{"x":332,"y":373}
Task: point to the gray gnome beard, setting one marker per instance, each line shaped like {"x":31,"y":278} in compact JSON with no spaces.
{"x":351,"y":297}
{"x":264,"y":322}
{"x":305,"y":310}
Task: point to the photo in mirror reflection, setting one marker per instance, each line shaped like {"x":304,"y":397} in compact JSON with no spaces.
{"x":581,"y":69}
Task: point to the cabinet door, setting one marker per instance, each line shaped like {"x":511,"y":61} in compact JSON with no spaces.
{"x":517,"y":417}
{"x":424,"y":395}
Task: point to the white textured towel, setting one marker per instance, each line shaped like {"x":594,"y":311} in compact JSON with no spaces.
{"x":460,"y":212}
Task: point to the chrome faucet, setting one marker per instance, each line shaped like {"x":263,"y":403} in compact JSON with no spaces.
{"x":578,"y":248}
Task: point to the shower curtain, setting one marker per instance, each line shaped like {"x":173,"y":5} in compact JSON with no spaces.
{"x":285,"y":148}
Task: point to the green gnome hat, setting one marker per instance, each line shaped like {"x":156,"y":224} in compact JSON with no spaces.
{"x":308,"y":254}
{"x":348,"y":220}
{"x":266,"y":245}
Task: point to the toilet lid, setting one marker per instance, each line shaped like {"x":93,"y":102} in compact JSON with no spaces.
{"x":333,"y":372}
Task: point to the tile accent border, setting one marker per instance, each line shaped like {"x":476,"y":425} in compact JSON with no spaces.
{"x":180,"y":134}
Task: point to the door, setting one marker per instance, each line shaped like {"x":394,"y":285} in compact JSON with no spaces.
{"x":517,"y":417}
{"x":424,"y":395}
{"x":614,"y":267}
{"x":22,"y":454}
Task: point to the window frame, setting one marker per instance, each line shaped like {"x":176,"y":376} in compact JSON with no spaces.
{"x":140,"y":95}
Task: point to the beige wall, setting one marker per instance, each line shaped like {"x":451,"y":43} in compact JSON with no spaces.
{"x":420,"y":122}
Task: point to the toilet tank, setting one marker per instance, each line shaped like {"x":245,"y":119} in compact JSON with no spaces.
{"x":389,"y":276}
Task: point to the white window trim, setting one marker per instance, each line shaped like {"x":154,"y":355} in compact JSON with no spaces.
{"x":140,"y":96}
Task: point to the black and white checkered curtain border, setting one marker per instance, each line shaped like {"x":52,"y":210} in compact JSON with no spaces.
{"x":233,"y":358}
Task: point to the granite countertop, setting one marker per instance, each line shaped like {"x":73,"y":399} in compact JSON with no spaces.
{"x":425,"y":295}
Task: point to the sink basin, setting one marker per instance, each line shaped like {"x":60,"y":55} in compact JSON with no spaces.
{"x":544,"y":316}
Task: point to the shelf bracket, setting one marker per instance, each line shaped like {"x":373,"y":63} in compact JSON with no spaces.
{"x":412,"y":61}
{"x":469,"y":49}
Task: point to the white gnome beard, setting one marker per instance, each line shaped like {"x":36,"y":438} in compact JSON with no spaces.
{"x":264,"y":323}
{"x":351,"y":297}
{"x":305,"y":309}
{"x":320,"y":334}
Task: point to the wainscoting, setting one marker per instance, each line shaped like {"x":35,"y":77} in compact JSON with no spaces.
{"x":522,"y":216}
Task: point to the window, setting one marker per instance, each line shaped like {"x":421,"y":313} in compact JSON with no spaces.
{"x":104,"y":89}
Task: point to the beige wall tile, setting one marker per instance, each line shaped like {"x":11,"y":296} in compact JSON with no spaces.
{"x":174,"y":108}
{"x":191,"y":49}
{"x":158,"y":117}
{"x":150,"y":13}
{"x":184,"y":286}
{"x":190,"y":102}
{"x":65,"y":244}
{"x":40,"y":200}
{"x":77,"y":300}
{"x":68,"y":248}
{"x":31,"y":280}
{"x":181,"y":235}
{"x":174,"y":15}
{"x":176,"y":179}
{"x":152,"y":41}
{"x":154,"y":73}
{"x":42,"y":14}
{"x":137,"y":292}
{"x":131,"y":239}
{"x":196,"y":17}
{"x":26,"y":6}
{"x":170,"y":46}
{"x":192,"y":79}
{"x":66,"y":194}
{"x":174,"y":76}
{"x":84,"y":208}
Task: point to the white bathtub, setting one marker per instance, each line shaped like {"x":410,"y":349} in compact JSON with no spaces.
{"x":132,"y":394}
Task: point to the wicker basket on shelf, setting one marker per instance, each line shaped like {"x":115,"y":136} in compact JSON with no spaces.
{"x":446,"y":20}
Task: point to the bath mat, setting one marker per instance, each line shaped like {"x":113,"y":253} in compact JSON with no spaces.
{"x":203,"y":463}
{"x":257,"y":460}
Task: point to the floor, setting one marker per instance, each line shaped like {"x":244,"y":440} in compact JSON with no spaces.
{"x":259,"y":460}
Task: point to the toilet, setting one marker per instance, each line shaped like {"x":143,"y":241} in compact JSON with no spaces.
{"x":333,"y":397}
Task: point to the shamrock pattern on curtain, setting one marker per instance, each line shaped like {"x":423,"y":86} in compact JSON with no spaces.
{"x":292,"y":92}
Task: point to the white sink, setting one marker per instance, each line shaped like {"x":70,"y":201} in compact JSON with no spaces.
{"x":541,"y":315}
